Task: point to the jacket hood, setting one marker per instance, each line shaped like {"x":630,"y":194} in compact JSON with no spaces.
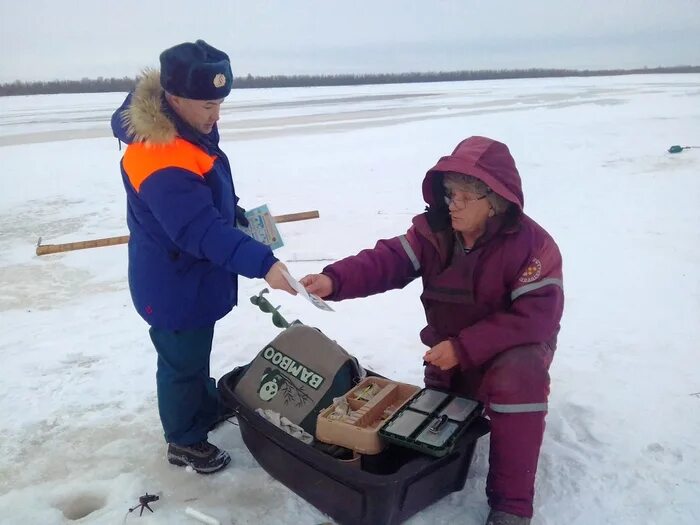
{"x":483,"y":158}
{"x":142,"y":117}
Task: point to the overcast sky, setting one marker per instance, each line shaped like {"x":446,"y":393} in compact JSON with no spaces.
{"x":49,"y":39}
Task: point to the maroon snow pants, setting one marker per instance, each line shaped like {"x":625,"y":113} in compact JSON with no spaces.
{"x":514,"y":387}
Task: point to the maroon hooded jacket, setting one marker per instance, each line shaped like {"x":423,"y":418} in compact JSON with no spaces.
{"x":507,"y":291}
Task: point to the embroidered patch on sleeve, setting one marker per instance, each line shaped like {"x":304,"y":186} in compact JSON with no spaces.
{"x":532,"y":272}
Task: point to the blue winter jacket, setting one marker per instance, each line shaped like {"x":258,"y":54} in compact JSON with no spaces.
{"x":185,"y":251}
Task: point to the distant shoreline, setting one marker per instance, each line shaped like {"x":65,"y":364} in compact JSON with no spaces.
{"x":125,"y":84}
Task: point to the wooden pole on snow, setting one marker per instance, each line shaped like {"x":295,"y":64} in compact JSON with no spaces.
{"x":45,"y":249}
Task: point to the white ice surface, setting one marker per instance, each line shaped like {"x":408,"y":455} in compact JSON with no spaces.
{"x":81,"y":439}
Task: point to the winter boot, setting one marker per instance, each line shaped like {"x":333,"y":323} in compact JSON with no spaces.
{"x":203,"y":457}
{"x":497,"y":517}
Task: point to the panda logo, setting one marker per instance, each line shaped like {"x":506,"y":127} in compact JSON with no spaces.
{"x":269,"y":384}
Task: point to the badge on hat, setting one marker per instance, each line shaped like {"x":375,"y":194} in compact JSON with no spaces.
{"x":219,"y":80}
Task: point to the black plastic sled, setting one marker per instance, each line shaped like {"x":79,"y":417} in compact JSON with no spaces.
{"x":385,"y":488}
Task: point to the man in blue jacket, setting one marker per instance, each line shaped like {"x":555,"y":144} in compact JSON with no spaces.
{"x":185,"y":251}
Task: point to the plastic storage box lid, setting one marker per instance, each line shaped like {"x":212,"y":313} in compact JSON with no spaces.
{"x":431,"y":422}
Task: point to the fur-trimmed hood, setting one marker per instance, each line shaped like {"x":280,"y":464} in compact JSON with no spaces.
{"x":142,"y":118}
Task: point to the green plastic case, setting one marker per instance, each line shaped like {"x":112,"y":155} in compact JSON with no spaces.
{"x":431,"y":422}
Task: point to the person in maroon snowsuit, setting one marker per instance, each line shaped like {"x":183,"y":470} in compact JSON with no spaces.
{"x":493,"y":298}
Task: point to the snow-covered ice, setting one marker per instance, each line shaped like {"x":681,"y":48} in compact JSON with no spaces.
{"x":81,"y":439}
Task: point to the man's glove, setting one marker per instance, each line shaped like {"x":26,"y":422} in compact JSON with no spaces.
{"x":240,"y":217}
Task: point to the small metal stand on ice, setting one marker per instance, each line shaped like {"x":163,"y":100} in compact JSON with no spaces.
{"x":144,"y":503}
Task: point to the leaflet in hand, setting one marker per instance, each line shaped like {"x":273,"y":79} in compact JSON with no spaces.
{"x":262,"y":227}
{"x":313,"y":299}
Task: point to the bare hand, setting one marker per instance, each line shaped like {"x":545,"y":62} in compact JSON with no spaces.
{"x":276,"y":280}
{"x":318,"y":284}
{"x":443,"y":355}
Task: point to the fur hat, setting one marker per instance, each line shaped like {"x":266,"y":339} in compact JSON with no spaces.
{"x":197,"y":71}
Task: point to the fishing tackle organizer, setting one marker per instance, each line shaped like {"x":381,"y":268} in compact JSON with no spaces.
{"x":378,"y":411}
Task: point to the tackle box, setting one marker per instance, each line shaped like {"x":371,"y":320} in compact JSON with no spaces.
{"x":431,"y":422}
{"x":387,"y":488}
{"x":353,"y":421}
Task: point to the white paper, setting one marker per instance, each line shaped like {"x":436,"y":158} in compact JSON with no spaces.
{"x":312,"y":298}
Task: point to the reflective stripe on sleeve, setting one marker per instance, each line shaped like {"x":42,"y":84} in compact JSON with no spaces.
{"x":534,"y":286}
{"x":409,"y":251}
{"x":519,"y":409}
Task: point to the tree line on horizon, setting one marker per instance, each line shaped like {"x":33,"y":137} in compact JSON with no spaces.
{"x":125,"y":84}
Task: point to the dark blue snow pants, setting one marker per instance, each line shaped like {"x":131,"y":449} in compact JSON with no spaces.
{"x":187,"y":398}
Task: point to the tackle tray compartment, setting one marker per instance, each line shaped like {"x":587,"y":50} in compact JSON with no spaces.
{"x":431,"y":422}
{"x":364,"y":409}
{"x":387,"y":489}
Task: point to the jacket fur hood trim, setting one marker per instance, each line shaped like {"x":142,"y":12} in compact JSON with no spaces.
{"x":144,"y":119}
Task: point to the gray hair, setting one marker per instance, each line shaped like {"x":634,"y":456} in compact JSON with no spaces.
{"x":453,"y":181}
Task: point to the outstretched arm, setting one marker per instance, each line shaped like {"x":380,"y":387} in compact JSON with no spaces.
{"x":391,"y":264}
{"x":182,"y":203}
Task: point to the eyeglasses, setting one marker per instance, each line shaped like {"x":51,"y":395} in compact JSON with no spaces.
{"x":261,"y":302}
{"x":460,"y":204}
